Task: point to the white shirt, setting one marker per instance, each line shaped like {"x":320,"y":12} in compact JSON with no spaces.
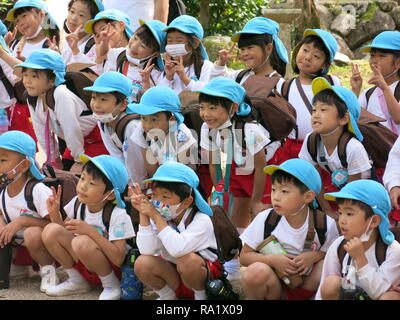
{"x":28,"y":48}
{"x":17,"y":206}
{"x":373,"y":103}
{"x":5,"y":100}
{"x":292,"y":240}
{"x":303,"y":114}
{"x":356,"y":156}
{"x":81,"y":57}
{"x":257,"y":138}
{"x":391,"y":178}
{"x":120,"y":227}
{"x":374,"y":279}
{"x":127,"y":151}
{"x":178,"y":86}
{"x":65,"y":120}
{"x":171,"y":244}
{"x":162,"y":150}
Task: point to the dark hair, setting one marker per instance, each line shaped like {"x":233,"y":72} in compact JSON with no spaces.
{"x":93,"y":9}
{"x":51,"y":76}
{"x":395,"y":53}
{"x":319,"y":44}
{"x":361,"y":205}
{"x":329,"y":97}
{"x":262,"y":40}
{"x":119,"y":97}
{"x":147,"y":37}
{"x":22,"y":10}
{"x":280,"y":176}
{"x":95,"y":172}
{"x":107,"y":21}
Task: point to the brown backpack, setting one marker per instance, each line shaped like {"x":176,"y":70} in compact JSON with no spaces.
{"x":122,"y":124}
{"x":378,"y":140}
{"x":228,"y":241}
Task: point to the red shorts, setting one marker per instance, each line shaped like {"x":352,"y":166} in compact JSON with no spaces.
{"x":297,"y":294}
{"x":291,"y":149}
{"x":92,"y":143}
{"x":20,"y":119}
{"x":93,"y":278}
{"x":215,"y":271}
{"x":205,"y":179}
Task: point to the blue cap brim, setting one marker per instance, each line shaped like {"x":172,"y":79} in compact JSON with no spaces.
{"x":380,"y":46}
{"x":146,"y":110}
{"x":30,"y":66}
{"x":99,"y":89}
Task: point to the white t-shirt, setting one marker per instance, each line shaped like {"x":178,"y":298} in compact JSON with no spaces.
{"x":391,"y":178}
{"x":303,"y":114}
{"x":17,"y":206}
{"x":256,"y":136}
{"x":160,"y":151}
{"x":373,"y":104}
{"x":291,"y":239}
{"x":357,"y":158}
{"x":65,"y":120}
{"x":374,"y":279}
{"x":120,"y":223}
{"x":171,"y":244}
{"x":28,"y":48}
{"x":127,"y":151}
{"x":5,"y":100}
{"x":178,"y":86}
{"x":81,"y":57}
{"x":135,"y":9}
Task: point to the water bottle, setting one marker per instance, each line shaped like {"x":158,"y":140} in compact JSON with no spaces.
{"x":3,"y":121}
{"x":131,"y":286}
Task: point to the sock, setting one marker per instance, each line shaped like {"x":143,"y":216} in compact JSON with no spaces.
{"x":200,"y":294}
{"x":74,"y":276}
{"x":232,"y":266}
{"x":110,"y":280}
{"x":166,"y":293}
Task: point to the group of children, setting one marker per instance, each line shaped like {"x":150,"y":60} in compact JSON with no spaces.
{"x":130,"y":145}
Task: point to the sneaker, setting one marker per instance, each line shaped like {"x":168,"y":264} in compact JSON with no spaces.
{"x":67,"y":288}
{"x":110,"y":293}
{"x":49,"y":277}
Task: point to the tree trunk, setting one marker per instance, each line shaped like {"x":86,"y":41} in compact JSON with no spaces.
{"x":204,"y":14}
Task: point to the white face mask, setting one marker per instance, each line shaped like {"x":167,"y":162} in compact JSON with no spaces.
{"x":367,"y":234}
{"x":168,"y":212}
{"x":107,"y":117}
{"x":176,"y":50}
{"x":138,"y":62}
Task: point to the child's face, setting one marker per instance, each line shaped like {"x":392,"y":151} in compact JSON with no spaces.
{"x":137,"y":48}
{"x":104,"y":103}
{"x":252,"y":55}
{"x":10,"y":159}
{"x":325,"y":118}
{"x":177,"y":37}
{"x":287,"y":198}
{"x":36,"y":82}
{"x":386,"y":61}
{"x":117,"y":31}
{"x":155,"y":124}
{"x":165,"y":196}
{"x":78,"y":15}
{"x":352,"y":220}
{"x":310,"y":59}
{"x":28,"y":22}
{"x":89,"y":189}
{"x":213,"y":115}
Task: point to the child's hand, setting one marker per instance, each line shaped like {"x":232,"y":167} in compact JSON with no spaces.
{"x":147,"y":208}
{"x":10,"y":37}
{"x":377,"y":78}
{"x":145,"y":74}
{"x":73,"y":39}
{"x":136,"y":196}
{"x":78,"y":226}
{"x":8,"y":232}
{"x":284,"y":264}
{"x":356,"y":79}
{"x":53,"y":202}
{"x":103,"y":43}
{"x":304,"y":262}
{"x":355,"y":248}
{"x":53,"y":44}
{"x":169,"y":67}
{"x":180,"y":71}
{"x":394,"y":197}
{"x":225,"y":55}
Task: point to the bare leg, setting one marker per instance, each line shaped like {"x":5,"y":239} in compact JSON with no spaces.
{"x":330,"y":288}
{"x":313,"y":280}
{"x":192,"y":270}
{"x":390,"y":295}
{"x":241,"y":214}
{"x":34,"y":243}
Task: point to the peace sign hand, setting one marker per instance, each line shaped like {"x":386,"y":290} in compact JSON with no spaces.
{"x":145,"y":73}
{"x":356,"y":79}
{"x":136,"y":196}
{"x":73,"y":39}
{"x":377,"y":78}
{"x":10,"y":37}
{"x":53,"y":203}
{"x":225,"y":55}
{"x":53,"y":44}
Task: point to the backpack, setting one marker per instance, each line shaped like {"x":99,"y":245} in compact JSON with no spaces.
{"x":228,"y":241}
{"x":378,"y":141}
{"x":54,"y":177}
{"x":77,"y":77}
{"x":121,"y":125}
{"x":370,"y":91}
{"x":319,"y":220}
{"x":176,"y":8}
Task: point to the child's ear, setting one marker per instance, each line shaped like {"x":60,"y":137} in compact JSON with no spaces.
{"x":25,"y":165}
{"x":376,"y":220}
{"x":196,"y":43}
{"x":124,"y":105}
{"x":269,"y":47}
{"x":345,"y":120}
{"x":111,"y":197}
{"x":397,"y":63}
{"x":309,"y":196}
{"x":188,"y":202}
{"x":234,"y":108}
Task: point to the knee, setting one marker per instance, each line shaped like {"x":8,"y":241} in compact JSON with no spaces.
{"x":51,"y":232}
{"x":330,"y":287}
{"x":83,"y":246}
{"x":189,"y":263}
{"x":257,"y":273}
{"x":390,"y":295}
{"x":33,"y":237}
{"x":143,"y":265}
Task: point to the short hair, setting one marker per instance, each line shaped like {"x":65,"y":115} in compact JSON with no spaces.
{"x":147,"y":37}
{"x":91,"y":169}
{"x":119,"y":97}
{"x":181,"y":189}
{"x":395,"y":53}
{"x":361,"y":205}
{"x":93,"y":9}
{"x":280,"y":176}
{"x":329,"y":97}
{"x":51,"y":76}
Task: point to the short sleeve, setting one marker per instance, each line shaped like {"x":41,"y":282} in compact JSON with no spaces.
{"x":138,"y":137}
{"x":69,"y":208}
{"x":120,"y":225}
{"x":256,"y":137}
{"x":40,"y":194}
{"x":304,"y":154}
{"x":205,"y":141}
{"x":357,"y":157}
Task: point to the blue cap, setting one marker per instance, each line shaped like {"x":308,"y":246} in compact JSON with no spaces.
{"x":327,"y":38}
{"x":23,"y":143}
{"x":25,"y":3}
{"x":115,"y":172}
{"x":111,"y":14}
{"x":46,"y":59}
{"x":112,"y":81}
{"x":372,"y":194}
{"x":3,"y":31}
{"x":348,"y":97}
{"x":388,"y":40}
{"x":178,"y":172}
{"x":262,"y":25}
{"x":159,"y":99}
{"x":303,"y":171}
{"x":189,"y":25}
{"x":229,"y":89}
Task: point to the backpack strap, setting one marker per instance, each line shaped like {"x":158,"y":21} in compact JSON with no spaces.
{"x":32,"y":101}
{"x":3,"y":201}
{"x":45,"y":44}
{"x":107,"y":212}
{"x":312,"y":146}
{"x":380,"y":250}
{"x":341,"y":252}
{"x":89,"y":44}
{"x":342,"y":146}
{"x":241,"y":75}
{"x":76,"y":207}
{"x":28,"y":193}
{"x":50,"y":101}
{"x":120,"y":61}
{"x":303,"y":95}
{"x":122,"y":123}
{"x":270,"y":223}
{"x":397,"y":92}
{"x":368,"y":94}
{"x":320,"y":225}
{"x":329,"y":78}
{"x":286,"y":88}
{"x":14,"y":43}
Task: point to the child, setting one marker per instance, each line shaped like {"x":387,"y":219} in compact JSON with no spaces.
{"x":222,"y":107}
{"x":111,"y":94}
{"x":335,"y":111}
{"x":311,"y":58}
{"x":79,"y":12}
{"x":177,"y":226}
{"x":43,"y":70}
{"x":352,"y":260}
{"x":140,"y":61}
{"x":162,"y":135}
{"x":295,"y":184}
{"x":91,"y":251}
{"x":18,"y":221}
{"x":261,"y":51}
{"x":384,"y":61}
{"x":186,"y":63}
